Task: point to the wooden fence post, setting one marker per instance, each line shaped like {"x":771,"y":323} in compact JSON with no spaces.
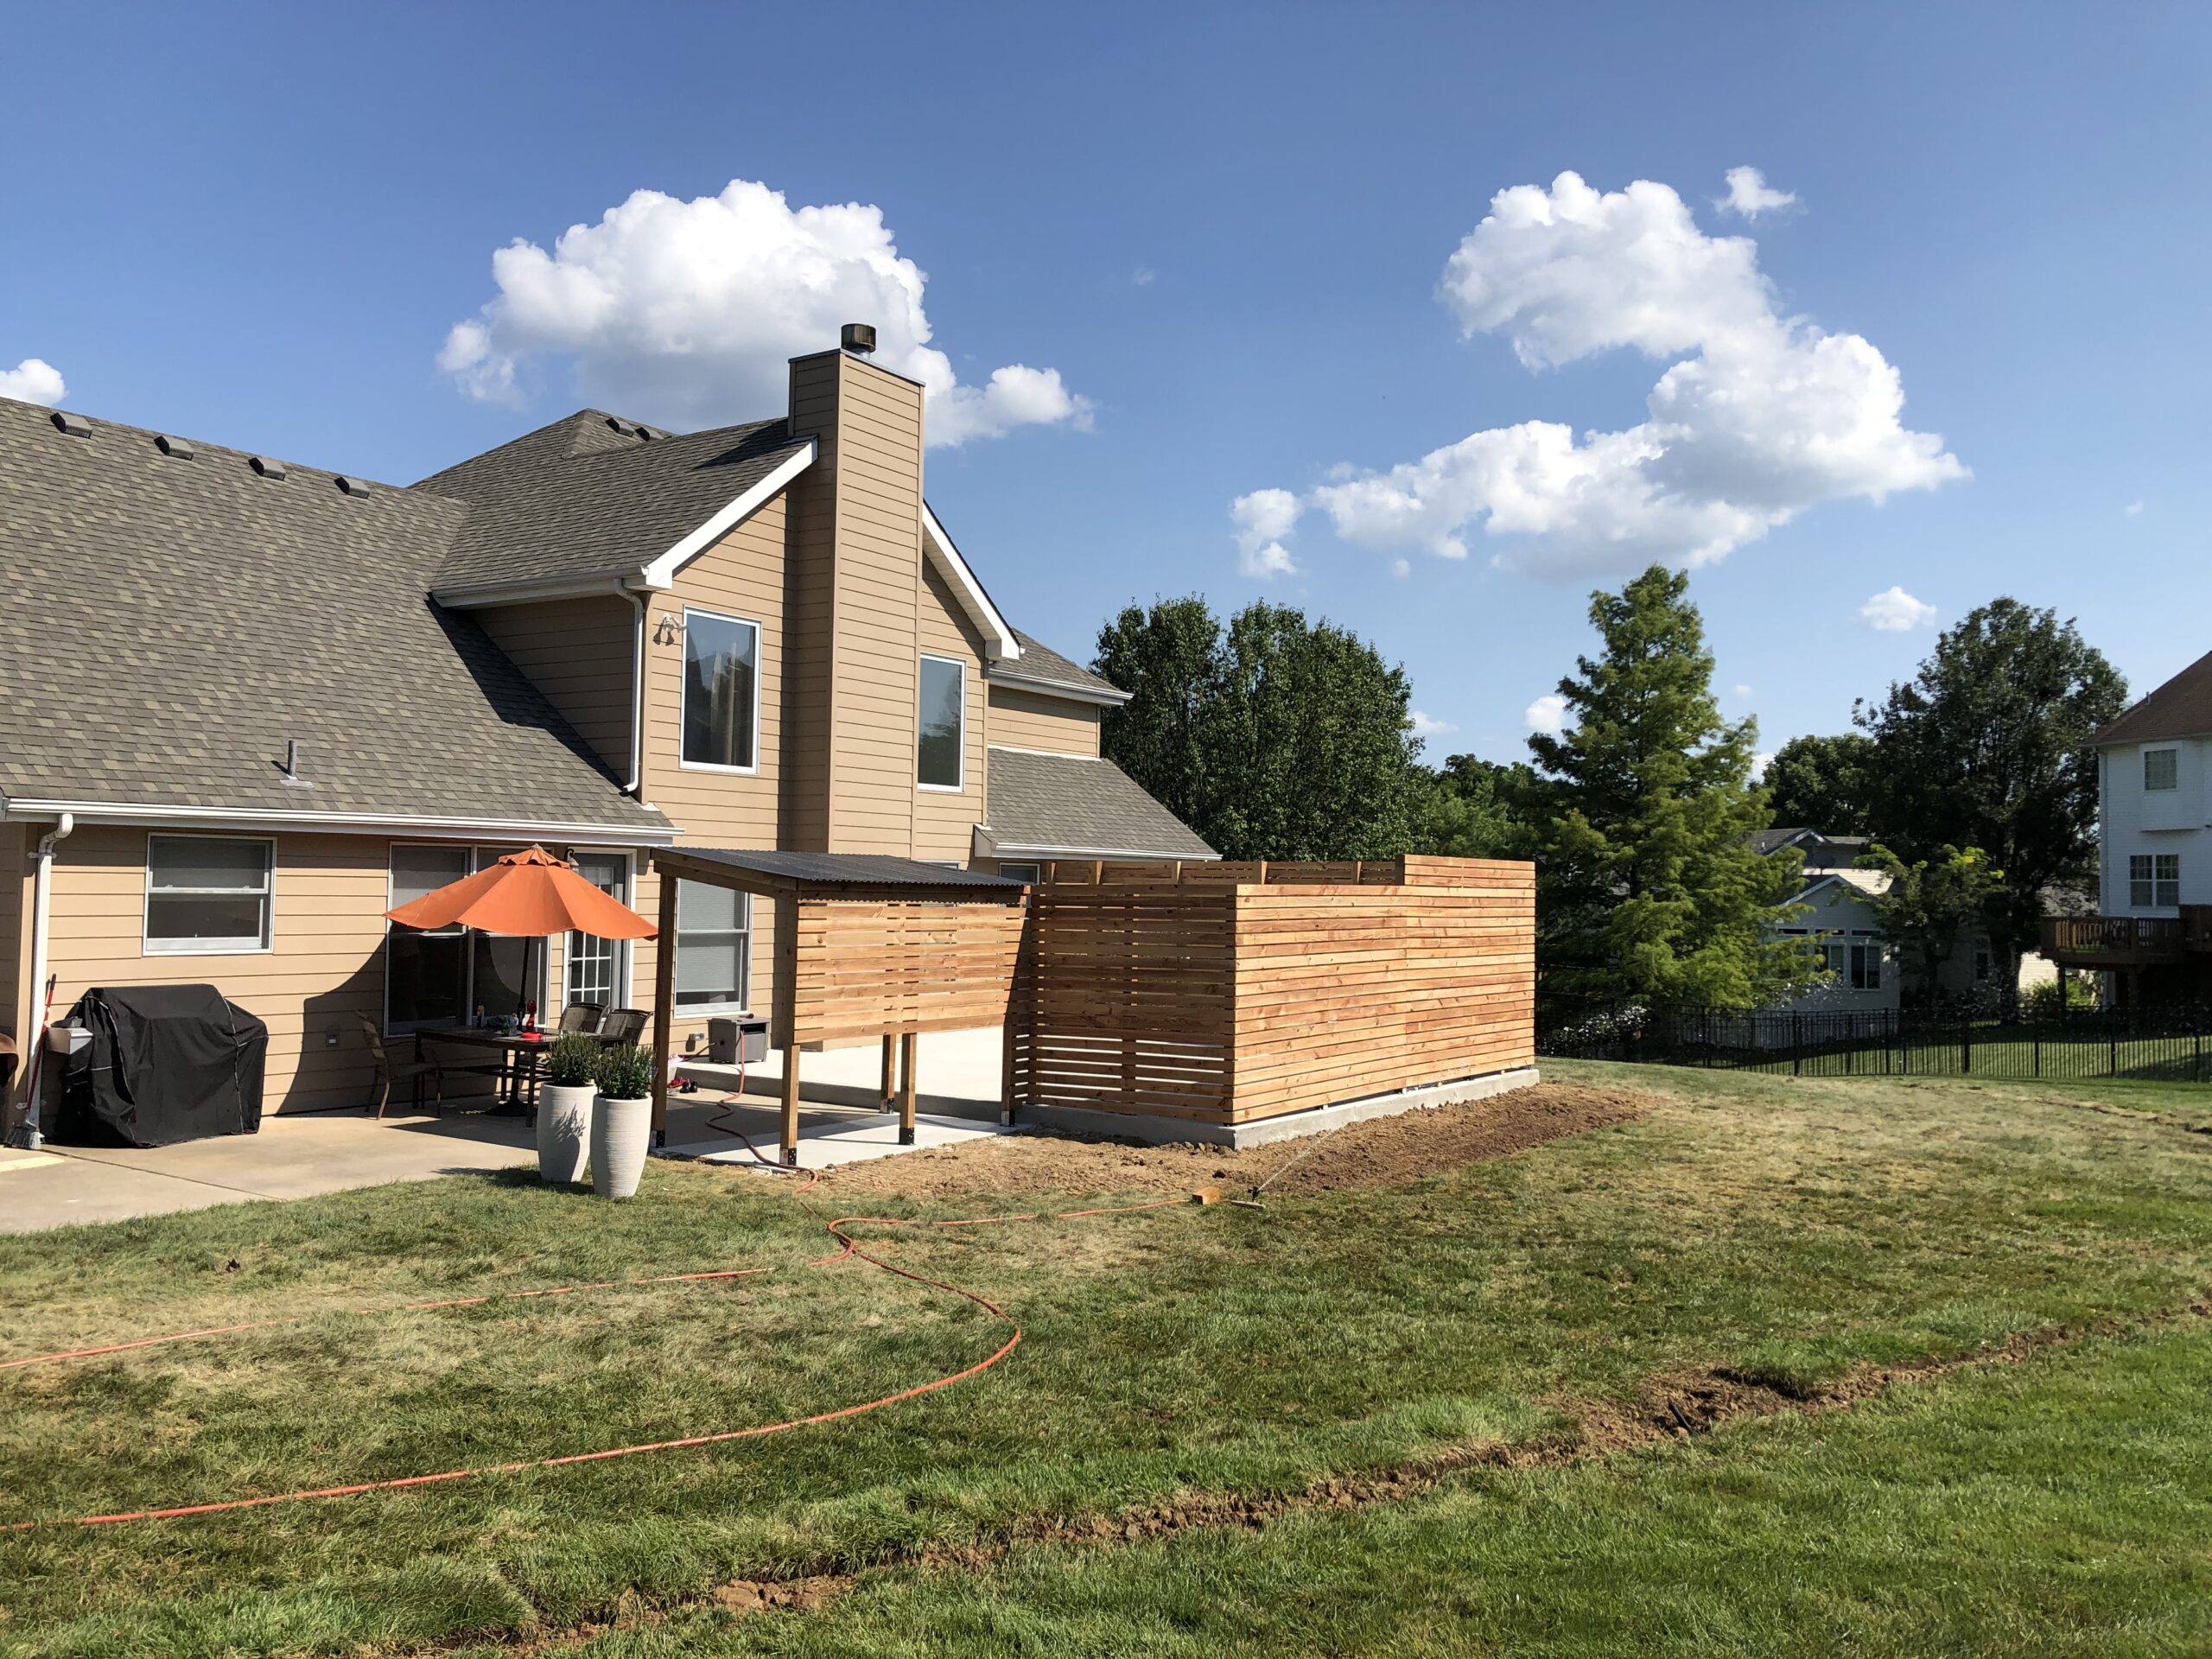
{"x":908,"y":1043}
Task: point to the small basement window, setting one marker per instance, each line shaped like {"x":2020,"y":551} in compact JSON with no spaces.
{"x":939,"y":751}
{"x":2162,"y":768}
{"x":207,"y":895}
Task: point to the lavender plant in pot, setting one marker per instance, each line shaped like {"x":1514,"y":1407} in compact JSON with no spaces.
{"x":564,"y":1108}
{"x":621,"y":1119}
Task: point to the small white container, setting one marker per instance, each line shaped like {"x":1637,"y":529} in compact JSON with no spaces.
{"x":564,"y":1115}
{"x":621,"y":1134}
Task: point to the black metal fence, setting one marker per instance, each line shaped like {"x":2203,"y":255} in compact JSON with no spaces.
{"x":2171,"y":1045}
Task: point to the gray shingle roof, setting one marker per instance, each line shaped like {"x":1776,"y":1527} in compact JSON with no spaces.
{"x":1077,"y":804}
{"x":1039,"y":661}
{"x":580,"y":499}
{"x":850,"y":869}
{"x":173,"y":622}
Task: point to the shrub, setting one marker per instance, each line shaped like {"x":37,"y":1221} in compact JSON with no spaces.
{"x":2043,"y":998}
{"x":572,"y":1059}
{"x":625,"y":1071}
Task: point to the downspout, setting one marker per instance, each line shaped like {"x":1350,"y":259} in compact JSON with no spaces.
{"x":41,"y":910}
{"x":637,"y":695}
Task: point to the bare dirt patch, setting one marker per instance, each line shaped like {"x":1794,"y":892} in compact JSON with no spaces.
{"x":1382,"y":1151}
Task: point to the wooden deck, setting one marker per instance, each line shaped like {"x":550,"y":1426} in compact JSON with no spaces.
{"x":2099,"y":943}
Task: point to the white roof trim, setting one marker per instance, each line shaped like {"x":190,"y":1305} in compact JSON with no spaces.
{"x":1107,"y":696}
{"x":987,"y":845}
{"x":1000,"y":645}
{"x":340,"y":822}
{"x":479,"y":594}
{"x":662,"y":571}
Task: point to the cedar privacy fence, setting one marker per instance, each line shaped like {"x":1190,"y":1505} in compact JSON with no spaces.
{"x":1223,"y":992}
{"x":2152,"y":1044}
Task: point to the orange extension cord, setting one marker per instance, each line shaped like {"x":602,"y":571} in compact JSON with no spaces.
{"x":837,"y":1229}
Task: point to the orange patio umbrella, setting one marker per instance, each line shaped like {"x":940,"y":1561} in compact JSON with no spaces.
{"x":531,"y":893}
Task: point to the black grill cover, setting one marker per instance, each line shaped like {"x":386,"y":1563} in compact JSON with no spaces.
{"x":167,"y":1063}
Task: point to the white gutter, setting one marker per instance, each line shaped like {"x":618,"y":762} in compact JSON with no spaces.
{"x":636,"y":695}
{"x":1107,"y":696}
{"x":127,"y":812}
{"x":33,"y":1044}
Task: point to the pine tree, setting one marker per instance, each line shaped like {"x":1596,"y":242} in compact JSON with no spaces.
{"x":1649,"y":887}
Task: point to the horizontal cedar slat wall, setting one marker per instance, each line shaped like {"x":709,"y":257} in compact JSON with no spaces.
{"x":860,"y":969}
{"x":1226,"y":992}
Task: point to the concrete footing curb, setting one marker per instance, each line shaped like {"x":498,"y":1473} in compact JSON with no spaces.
{"x":1159,"y":1131}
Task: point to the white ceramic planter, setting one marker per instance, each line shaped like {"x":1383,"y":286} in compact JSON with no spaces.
{"x":621,"y":1130}
{"x":564,"y":1131}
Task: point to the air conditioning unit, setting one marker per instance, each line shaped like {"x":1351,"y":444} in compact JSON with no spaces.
{"x":737,"y":1042}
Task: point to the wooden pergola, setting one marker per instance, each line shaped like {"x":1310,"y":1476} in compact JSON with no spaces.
{"x":866,"y":946}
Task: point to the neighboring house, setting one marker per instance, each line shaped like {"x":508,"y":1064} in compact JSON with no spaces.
{"x":601,"y":637}
{"x":2154,"y":844}
{"x":1868,"y":971}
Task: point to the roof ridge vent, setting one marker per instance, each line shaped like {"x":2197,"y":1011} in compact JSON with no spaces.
{"x":627,"y":429}
{"x":267,"y":468}
{"x":175,"y":449}
{"x":75,"y":425}
{"x":351,"y":485}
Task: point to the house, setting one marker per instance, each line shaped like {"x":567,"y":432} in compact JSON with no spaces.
{"x":2153,"y":934}
{"x":1867,"y":971}
{"x":246,"y":705}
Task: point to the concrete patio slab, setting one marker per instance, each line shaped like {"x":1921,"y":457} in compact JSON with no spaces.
{"x":292,"y":1157}
{"x":826,"y":1143}
{"x":956,"y":1075}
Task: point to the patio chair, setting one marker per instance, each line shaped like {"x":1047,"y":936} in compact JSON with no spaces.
{"x":389,"y":1071}
{"x":580,"y":1016}
{"x":624,"y":1026}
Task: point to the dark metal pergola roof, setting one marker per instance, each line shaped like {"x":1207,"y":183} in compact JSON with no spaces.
{"x":827,"y":875}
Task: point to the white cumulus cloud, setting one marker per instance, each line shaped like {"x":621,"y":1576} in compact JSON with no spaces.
{"x":1547,"y":713}
{"x":33,"y":381}
{"x":1426,"y":726}
{"x":1748,"y":194}
{"x":2133,"y":509}
{"x":1895,"y":611}
{"x":1263,"y":518}
{"x":1757,"y":417}
{"x":686,"y":311}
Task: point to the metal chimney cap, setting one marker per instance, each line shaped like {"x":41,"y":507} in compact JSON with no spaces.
{"x":858,"y":336}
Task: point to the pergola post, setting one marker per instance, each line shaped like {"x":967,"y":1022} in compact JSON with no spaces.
{"x":663,"y":1006}
{"x":890,"y":1076}
{"x":790,"y":1104}
{"x":908,"y":1041}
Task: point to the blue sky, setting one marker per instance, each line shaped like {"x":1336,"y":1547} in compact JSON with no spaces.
{"x":1226,"y":232}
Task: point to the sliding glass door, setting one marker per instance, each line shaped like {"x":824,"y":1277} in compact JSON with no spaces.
{"x":443,"y":976}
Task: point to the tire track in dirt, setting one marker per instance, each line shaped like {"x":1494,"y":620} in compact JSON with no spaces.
{"x":1675,"y":1406}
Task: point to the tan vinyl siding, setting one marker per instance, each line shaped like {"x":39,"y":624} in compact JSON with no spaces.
{"x":580,"y":652}
{"x":741,"y":575}
{"x":1024,"y":720}
{"x":878,"y":474}
{"x":326,"y":959}
{"x":944,"y":822}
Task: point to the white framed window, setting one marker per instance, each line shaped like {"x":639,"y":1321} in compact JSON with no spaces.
{"x":209,"y":895}
{"x":1030,"y":872}
{"x":2161,"y":769}
{"x":714,"y":949}
{"x":941,"y":743}
{"x":1865,"y":967}
{"x":2154,"y":879}
{"x":722,"y":693}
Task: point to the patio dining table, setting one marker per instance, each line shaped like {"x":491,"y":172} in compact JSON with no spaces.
{"x":517,"y":1052}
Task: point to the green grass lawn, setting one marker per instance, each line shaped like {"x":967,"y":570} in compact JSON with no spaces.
{"x":1788,"y":1229}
